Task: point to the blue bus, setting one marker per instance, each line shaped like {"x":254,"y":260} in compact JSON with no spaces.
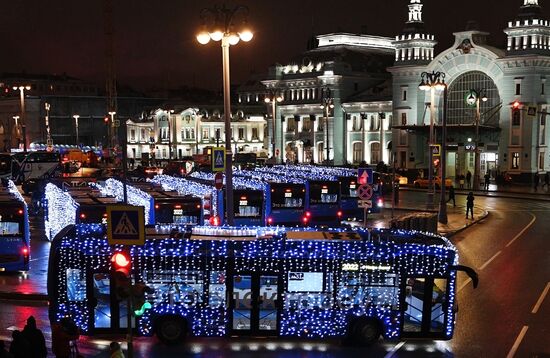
{"x":248,"y":201}
{"x":322,"y":203}
{"x":210,"y":281}
{"x":15,"y":245}
{"x":284,"y":198}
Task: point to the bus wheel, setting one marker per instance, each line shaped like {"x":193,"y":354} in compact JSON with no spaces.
{"x":171,"y":329}
{"x":366,"y":331}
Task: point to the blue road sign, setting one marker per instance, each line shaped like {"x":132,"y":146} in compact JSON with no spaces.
{"x":125,"y":225}
{"x":218,"y":159}
{"x":365,"y":176}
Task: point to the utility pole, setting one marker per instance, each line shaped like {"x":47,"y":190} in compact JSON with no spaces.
{"x":110,"y":84}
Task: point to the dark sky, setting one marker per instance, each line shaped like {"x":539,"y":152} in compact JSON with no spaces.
{"x":155,"y":39}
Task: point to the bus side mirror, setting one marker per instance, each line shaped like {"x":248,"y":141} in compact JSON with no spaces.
{"x":468,"y":271}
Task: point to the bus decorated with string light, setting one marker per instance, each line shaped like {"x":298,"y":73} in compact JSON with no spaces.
{"x":14,"y":229}
{"x":222,"y":281}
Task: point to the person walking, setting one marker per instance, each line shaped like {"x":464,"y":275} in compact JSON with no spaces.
{"x":64,"y":336}
{"x":536,"y":181}
{"x":487,"y":181}
{"x":470,"y":204}
{"x":452,"y":195}
{"x":20,"y":347}
{"x":115,"y":350}
{"x":36,"y":340}
{"x":469,"y":180}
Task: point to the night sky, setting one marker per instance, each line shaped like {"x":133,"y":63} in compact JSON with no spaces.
{"x":155,"y":40}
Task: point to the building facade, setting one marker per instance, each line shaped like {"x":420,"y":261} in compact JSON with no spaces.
{"x":497,"y":100}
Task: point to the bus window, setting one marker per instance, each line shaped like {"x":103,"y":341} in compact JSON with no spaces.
{"x":305,"y":291}
{"x":216,"y":289}
{"x":439,"y":293}
{"x":287,"y":197}
{"x":323,"y":192}
{"x":248,"y":205}
{"x":415,"y":301}
{"x":268,"y":297}
{"x":348,"y":187}
{"x":8,"y":227}
{"x":242,"y":296}
{"x":185,"y":288}
{"x":76,"y":285}
{"x":102,"y":294}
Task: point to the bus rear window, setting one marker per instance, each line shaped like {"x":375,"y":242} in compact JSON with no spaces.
{"x":248,"y":205}
{"x":323,"y":192}
{"x":348,"y":187}
{"x":9,"y":228}
{"x":287,"y":197}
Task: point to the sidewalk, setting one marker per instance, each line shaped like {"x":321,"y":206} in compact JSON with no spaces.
{"x":507,"y":191}
{"x":456,"y":216}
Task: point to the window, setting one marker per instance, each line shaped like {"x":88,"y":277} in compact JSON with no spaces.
{"x":291,"y":125}
{"x":241,"y":133}
{"x":357,"y":152}
{"x":132,"y":134}
{"x":321,"y":124}
{"x":307,"y":125}
{"x":518,"y":89}
{"x":205,"y":133}
{"x":541,"y":160}
{"x":143,"y":136}
{"x":515,"y":160}
{"x":374,"y":153}
{"x":164,"y":133}
{"x":516,"y":118}
{"x":542,"y":130}
{"x":363,"y":288}
{"x":403,"y":119}
{"x":404,"y":95}
{"x":308,"y":290}
{"x":216,"y":289}
{"x":76,"y":285}
{"x":255,"y":133}
{"x":542,"y":88}
{"x":185,"y":288}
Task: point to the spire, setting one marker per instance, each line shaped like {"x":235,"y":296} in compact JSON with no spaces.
{"x":414,"y":45}
{"x":529,"y":32}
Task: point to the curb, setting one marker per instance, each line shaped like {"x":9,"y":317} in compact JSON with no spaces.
{"x":18,"y":296}
{"x":451,"y":233}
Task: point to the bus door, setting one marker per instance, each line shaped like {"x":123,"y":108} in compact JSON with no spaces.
{"x":109,"y":313}
{"x":425,"y":307}
{"x":254,"y":303}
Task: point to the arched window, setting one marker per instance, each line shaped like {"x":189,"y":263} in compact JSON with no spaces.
{"x":357,"y":152}
{"x":374,"y":153}
{"x":459,"y":112}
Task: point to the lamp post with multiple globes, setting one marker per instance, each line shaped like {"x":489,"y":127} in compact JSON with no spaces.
{"x":219,"y":25}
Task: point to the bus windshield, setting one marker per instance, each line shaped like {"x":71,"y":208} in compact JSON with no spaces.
{"x":323,"y":192}
{"x":287,"y":196}
{"x":9,"y":228}
{"x":178,"y":212}
{"x":348,"y":187}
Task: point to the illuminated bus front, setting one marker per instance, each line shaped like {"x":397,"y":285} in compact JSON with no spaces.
{"x":182,"y":211}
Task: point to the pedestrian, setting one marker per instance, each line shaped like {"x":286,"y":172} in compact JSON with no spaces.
{"x":536,"y":181}
{"x":36,"y":340}
{"x":469,"y":179}
{"x":487,"y":181}
{"x":114,"y":349}
{"x":452,"y":195}
{"x":3,"y":352}
{"x":20,"y":347}
{"x":64,"y":336}
{"x":470,"y":204}
{"x":546,"y":180}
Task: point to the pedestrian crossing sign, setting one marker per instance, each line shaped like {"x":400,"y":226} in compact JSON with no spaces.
{"x":125,"y":225}
{"x":218,"y":159}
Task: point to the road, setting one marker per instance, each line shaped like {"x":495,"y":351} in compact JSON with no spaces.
{"x":507,"y":315}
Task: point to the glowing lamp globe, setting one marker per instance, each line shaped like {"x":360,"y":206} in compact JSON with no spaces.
{"x":246,"y":35}
{"x":233,"y":39}
{"x":216,"y":35}
{"x":203,"y":37}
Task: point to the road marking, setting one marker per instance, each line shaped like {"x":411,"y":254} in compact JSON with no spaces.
{"x":464,"y":284}
{"x":523,"y":230}
{"x":541,"y":298}
{"x":395,"y":349}
{"x":489,"y":261}
{"x":517,"y":342}
{"x":39,"y":258}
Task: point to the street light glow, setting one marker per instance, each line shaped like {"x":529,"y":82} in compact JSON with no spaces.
{"x":203,"y":37}
{"x":246,"y":35}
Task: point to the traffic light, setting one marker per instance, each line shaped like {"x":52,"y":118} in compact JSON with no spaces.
{"x":436,"y":162}
{"x":121,"y":268}
{"x":516,"y":105}
{"x":140,"y":304}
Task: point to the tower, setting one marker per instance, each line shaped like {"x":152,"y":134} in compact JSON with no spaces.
{"x":528,"y":33}
{"x":414,"y":45}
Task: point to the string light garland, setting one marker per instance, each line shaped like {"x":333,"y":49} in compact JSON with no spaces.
{"x":189,"y":272}
{"x":60,"y":210}
{"x":135,"y":196}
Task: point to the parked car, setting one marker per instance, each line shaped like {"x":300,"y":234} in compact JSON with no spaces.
{"x":423,"y":182}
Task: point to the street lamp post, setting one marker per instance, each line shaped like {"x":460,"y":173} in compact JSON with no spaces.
{"x":23,"y":112}
{"x":431,"y":82}
{"x":49,"y":142}
{"x":76,"y":117}
{"x":327,"y":105}
{"x":218,"y":25}
{"x":477,"y":95}
{"x":169,"y":113}
{"x":273,"y":98}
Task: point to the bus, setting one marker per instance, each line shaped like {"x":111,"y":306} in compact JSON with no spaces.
{"x":172,"y":207}
{"x":284,"y":198}
{"x":322,"y":203}
{"x":36,"y":166}
{"x":208,"y":281}
{"x":74,"y":204}
{"x":14,"y":229}
{"x":248,"y":201}
{"x":6,"y":163}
